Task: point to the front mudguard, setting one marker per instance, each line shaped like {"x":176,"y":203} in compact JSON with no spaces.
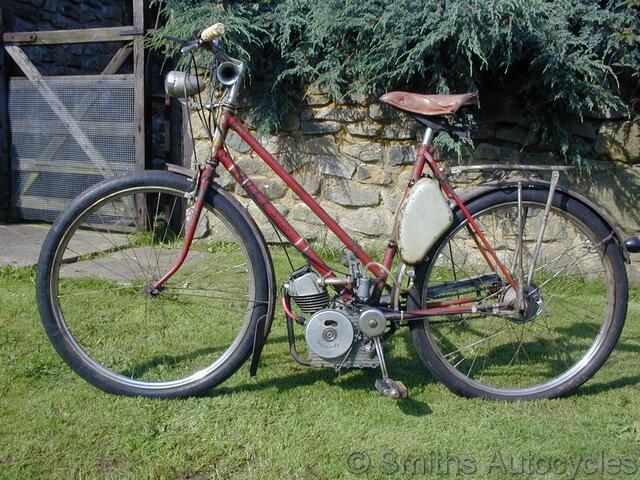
{"x":487,"y":188}
{"x":263,"y":327}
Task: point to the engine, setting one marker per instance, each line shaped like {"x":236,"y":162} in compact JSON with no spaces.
{"x":333,"y":333}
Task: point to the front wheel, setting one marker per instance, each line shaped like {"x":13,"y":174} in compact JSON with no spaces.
{"x":95,"y":277}
{"x":575,"y":308}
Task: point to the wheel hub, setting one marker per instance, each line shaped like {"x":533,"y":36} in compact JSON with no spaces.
{"x":151,"y":291}
{"x":533,"y":303}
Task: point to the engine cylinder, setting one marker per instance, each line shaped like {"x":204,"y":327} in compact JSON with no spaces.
{"x":306,"y":292}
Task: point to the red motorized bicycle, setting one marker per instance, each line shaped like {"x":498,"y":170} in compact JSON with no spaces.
{"x":517,"y":290}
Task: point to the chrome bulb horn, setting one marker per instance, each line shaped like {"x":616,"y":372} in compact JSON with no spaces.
{"x":228,"y":73}
{"x":182,"y":84}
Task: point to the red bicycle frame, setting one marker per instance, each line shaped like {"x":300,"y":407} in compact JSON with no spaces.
{"x":220,"y":155}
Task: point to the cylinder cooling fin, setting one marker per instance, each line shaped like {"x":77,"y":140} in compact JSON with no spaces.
{"x":305,"y":290}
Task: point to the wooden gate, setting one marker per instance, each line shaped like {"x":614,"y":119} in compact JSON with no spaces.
{"x":60,"y":135}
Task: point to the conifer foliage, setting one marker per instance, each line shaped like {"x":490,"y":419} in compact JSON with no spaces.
{"x":561,"y":58}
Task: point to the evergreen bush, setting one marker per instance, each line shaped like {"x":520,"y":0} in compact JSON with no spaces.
{"x":562,"y":59}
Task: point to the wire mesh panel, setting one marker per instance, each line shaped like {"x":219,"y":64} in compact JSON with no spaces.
{"x":50,"y":162}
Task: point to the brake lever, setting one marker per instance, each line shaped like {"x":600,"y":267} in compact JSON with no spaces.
{"x":189,"y":46}
{"x":178,"y":40}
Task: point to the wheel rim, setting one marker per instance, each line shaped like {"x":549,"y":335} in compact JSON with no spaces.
{"x":541,"y":349}
{"x":112,"y":321}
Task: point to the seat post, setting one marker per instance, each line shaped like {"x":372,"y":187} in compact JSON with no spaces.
{"x":428,"y":136}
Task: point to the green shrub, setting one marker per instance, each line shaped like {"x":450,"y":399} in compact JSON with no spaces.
{"x":561,"y":58}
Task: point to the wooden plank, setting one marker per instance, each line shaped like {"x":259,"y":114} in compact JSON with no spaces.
{"x":5,"y":170}
{"x":43,"y":127}
{"x":117,"y":60}
{"x":55,"y":204}
{"x":122,"y":76}
{"x":59,"y":109}
{"x":84,"y":35}
{"x":25,"y":164}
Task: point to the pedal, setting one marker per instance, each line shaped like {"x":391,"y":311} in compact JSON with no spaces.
{"x":391,"y":388}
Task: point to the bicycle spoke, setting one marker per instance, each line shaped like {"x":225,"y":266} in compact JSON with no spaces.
{"x":520,"y":352}
{"x":148,"y":336}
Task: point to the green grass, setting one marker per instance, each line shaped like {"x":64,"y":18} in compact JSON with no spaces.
{"x":295,"y":422}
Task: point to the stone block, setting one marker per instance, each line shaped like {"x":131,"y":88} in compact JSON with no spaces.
{"x":50,"y":6}
{"x":310,"y":180}
{"x":352,"y":99}
{"x":301,"y":213}
{"x":391,"y":199}
{"x":368,"y":221}
{"x":364,"y":129}
{"x":319,"y":146}
{"x":317,"y":100}
{"x":314,"y":128}
{"x":380,"y":111}
{"x":271,"y":187}
{"x":263,"y":223}
{"x":339,"y":114}
{"x":350,"y":196}
{"x":252,"y":165}
{"x":485,"y":151}
{"x":619,"y":141}
{"x":399,"y":155}
{"x":366,"y":151}
{"x":371,"y":175}
{"x":362,"y":172}
{"x":398,"y":132}
{"x":334,"y":166}
{"x":236,"y":143}
{"x":317,"y":90}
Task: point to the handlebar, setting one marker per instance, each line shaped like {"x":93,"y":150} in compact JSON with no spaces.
{"x":212,"y":33}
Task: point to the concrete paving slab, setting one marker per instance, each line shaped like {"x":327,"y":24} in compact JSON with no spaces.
{"x":132,"y":264}
{"x":21,"y":243}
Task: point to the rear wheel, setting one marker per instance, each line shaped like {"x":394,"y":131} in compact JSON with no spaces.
{"x":575,"y":309}
{"x":96,"y":300}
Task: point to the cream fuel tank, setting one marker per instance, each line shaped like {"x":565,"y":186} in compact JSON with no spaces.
{"x":423,"y":217}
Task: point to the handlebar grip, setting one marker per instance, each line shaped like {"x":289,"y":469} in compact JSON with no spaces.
{"x":209,"y":34}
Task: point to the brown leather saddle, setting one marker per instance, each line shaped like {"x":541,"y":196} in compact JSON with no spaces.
{"x":421,"y":107}
{"x":429,"y":105}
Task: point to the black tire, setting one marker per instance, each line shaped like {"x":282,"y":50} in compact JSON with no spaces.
{"x":99,"y":372}
{"x":430,"y":337}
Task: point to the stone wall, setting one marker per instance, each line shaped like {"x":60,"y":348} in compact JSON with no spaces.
{"x":355,"y":157}
{"x":34,"y":15}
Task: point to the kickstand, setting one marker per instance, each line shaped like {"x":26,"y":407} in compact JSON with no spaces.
{"x":385,"y":385}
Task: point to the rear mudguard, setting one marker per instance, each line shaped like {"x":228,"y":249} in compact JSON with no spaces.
{"x":263,"y":327}
{"x":542,"y":185}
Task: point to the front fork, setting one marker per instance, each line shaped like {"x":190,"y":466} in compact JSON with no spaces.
{"x":205,"y":178}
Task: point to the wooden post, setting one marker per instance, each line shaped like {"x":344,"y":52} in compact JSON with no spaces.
{"x":139,"y":94}
{"x":139,"y":106}
{"x":5,"y":168}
